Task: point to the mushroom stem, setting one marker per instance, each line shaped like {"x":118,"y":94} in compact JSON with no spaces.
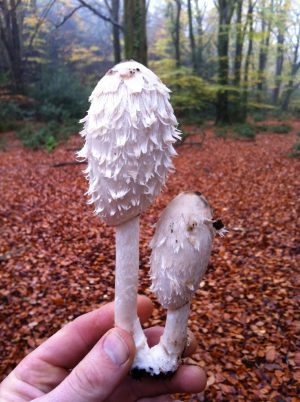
{"x":126,"y":281}
{"x":166,"y":356}
{"x":174,"y":337}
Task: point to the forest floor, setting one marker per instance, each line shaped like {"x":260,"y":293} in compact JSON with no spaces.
{"x":57,"y":258}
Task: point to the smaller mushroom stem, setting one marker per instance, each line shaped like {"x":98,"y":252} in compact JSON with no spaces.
{"x":175,"y":332}
{"x":167,"y":354}
{"x":126,"y":281}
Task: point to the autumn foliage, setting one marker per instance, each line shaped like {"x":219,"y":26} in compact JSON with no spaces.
{"x":57,"y":258}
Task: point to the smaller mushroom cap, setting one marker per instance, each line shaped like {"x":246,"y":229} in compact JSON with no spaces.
{"x":181,"y":248}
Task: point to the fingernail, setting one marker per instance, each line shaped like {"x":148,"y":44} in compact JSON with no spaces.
{"x":115,"y":348}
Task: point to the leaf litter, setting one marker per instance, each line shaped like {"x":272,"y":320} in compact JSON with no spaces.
{"x":57,"y":259}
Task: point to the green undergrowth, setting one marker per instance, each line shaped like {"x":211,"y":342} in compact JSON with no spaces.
{"x":57,"y":101}
{"x":249,"y":131}
{"x":47,"y":136}
{"x":192,"y":98}
{"x":295,"y":151}
{"x":275,"y":129}
{"x":221,"y":132}
{"x":10,"y":114}
{"x":3,"y":143}
{"x":245,"y":131}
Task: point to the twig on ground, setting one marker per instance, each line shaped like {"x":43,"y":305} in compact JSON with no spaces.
{"x":11,"y":253}
{"x":67,"y":163}
{"x":184,"y":138}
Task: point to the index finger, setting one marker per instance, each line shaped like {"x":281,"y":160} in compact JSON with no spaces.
{"x":70,"y":344}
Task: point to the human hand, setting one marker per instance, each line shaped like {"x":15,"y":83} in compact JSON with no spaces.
{"x":88,"y":360}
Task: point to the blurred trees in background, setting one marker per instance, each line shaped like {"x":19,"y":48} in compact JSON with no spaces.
{"x":225,"y":12}
{"x":223,"y":59}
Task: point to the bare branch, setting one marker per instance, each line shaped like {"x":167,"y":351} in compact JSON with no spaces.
{"x":100,"y":15}
{"x":251,"y":7}
{"x":147,"y":5}
{"x":108,"y":6}
{"x":41,"y":20}
{"x":10,"y":10}
{"x":68,"y":16}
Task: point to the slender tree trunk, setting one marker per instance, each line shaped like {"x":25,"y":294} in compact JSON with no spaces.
{"x":11,"y":38}
{"x":279,"y":65}
{"x":262,"y":57}
{"x":192,"y":37}
{"x":238,"y":115}
{"x":115,"y":12}
{"x":266,"y":26}
{"x":287,"y":95}
{"x":294,"y":70}
{"x":222,"y":99}
{"x":281,"y":14}
{"x":225,"y":8}
{"x":135,"y":30}
{"x":238,"y":45}
{"x":17,"y":50}
{"x":199,"y":52}
{"x":177,"y":34}
{"x":247,"y":61}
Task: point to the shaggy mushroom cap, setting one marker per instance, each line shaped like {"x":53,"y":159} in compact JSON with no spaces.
{"x":129,"y":131}
{"x":181,"y":249}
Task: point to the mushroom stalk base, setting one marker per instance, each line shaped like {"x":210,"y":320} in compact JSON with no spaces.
{"x":127,"y":267}
{"x":166,"y":356}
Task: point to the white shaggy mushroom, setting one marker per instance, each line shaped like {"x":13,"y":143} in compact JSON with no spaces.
{"x":181,"y":249}
{"x":129,"y":131}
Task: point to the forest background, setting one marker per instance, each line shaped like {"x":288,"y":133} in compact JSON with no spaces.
{"x":223,"y":60}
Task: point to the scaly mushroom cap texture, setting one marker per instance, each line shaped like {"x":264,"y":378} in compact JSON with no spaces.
{"x":181,"y":249}
{"x":129,"y":131}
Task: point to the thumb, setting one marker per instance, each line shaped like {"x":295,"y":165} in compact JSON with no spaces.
{"x":99,"y":373}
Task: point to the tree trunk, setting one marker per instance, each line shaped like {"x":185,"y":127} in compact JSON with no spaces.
{"x":294,"y":70}
{"x":247,"y":61}
{"x":199,"y":52}
{"x":177,"y":33}
{"x":11,"y":38}
{"x":17,"y":55}
{"x":225,"y":8}
{"x":238,"y":115}
{"x":192,"y":37}
{"x":135,"y":30}
{"x":266,"y":27}
{"x":287,"y":95}
{"x":238,"y":45}
{"x":115,"y":13}
{"x":279,"y":65}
